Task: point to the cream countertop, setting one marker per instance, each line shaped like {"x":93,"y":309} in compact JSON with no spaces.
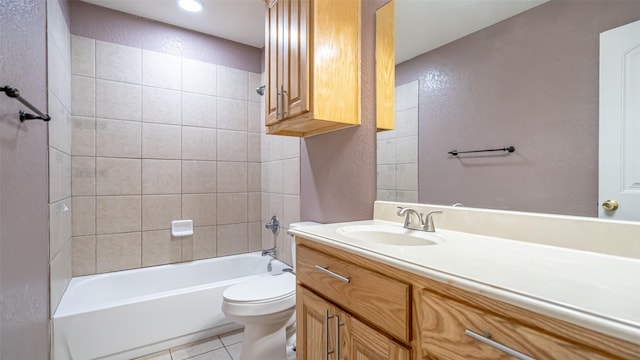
{"x":597,"y":291}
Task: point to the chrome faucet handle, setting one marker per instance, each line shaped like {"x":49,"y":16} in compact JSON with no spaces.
{"x":428,"y":225}
{"x":273,"y":252}
{"x":406,"y":212}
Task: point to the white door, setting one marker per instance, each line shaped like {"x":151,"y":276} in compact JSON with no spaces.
{"x":619,"y":166}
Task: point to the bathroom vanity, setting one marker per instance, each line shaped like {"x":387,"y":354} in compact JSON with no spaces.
{"x":464,"y":295}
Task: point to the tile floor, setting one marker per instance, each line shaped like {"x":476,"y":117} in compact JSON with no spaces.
{"x":222,"y":347}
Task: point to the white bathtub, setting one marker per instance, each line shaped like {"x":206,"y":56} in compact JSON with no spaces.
{"x":131,"y":313}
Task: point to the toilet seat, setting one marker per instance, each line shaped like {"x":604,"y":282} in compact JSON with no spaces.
{"x":261,"y":296}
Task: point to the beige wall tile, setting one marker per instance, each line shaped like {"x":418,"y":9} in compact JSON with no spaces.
{"x":254,"y":230}
{"x":117,"y":100}
{"x":232,"y":145}
{"x":272,"y":173}
{"x":84,"y":255}
{"x":158,"y":247}
{"x":254,"y":81}
{"x":161,"y":176}
{"x":118,"y":176}
{"x":161,"y":141}
{"x":83,"y":136}
{"x":291,"y":176}
{"x":254,"y":211}
{"x":158,"y":211}
{"x":290,"y":210}
{"x":255,"y":121}
{"x":83,"y":219}
{"x":198,"y":143}
{"x":162,"y":106}
{"x":276,"y":203}
{"x":59,"y":175}
{"x":59,"y":225}
{"x":253,"y":177}
{"x":407,"y":176}
{"x":118,"y":62}
{"x":387,"y":195}
{"x":204,"y":242}
{"x":199,"y":110}
{"x":201,"y":208}
{"x":83,"y":175}
{"x":116,"y":252}
{"x":232,"y":83}
{"x":407,"y":96}
{"x":59,"y":74}
{"x":83,"y":96}
{"x":118,"y":214}
{"x":406,"y":123}
{"x":407,"y":196}
{"x":253,"y":150}
{"x":60,"y":275}
{"x":283,"y":243}
{"x":407,"y":149}
{"x":83,"y":56}
{"x":232,"y":239}
{"x":187,"y":248}
{"x":272,"y":147}
{"x":232,"y":114}
{"x":161,"y":70}
{"x":198,"y":77}
{"x":386,"y":176}
{"x":232,"y":208}
{"x":290,"y":147}
{"x":59,"y":130}
{"x":116,"y":138}
{"x":232,"y":176}
{"x":198,"y":177}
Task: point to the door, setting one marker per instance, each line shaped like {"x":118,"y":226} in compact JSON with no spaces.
{"x":274,"y":54}
{"x":619,"y":165}
{"x":316,"y":337}
{"x":360,"y":342}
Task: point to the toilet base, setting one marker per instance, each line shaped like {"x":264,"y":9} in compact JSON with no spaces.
{"x":264,"y":342}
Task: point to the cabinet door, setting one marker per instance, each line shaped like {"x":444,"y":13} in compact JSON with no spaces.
{"x":360,"y":342}
{"x":295,"y":92}
{"x":274,"y":54}
{"x":316,"y":337}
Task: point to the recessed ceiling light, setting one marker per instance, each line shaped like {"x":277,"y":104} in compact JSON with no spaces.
{"x":190,"y":5}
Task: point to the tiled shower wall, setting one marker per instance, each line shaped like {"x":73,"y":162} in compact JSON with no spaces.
{"x":156,"y":138}
{"x":59,"y":99}
{"x":398,"y":150}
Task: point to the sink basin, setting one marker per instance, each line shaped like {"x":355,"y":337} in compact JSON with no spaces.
{"x":389,"y":235}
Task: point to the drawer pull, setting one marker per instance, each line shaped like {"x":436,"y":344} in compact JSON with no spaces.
{"x":497,"y":345}
{"x":331,"y":273}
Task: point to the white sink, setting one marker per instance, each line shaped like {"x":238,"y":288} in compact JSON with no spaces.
{"x":389,"y":235}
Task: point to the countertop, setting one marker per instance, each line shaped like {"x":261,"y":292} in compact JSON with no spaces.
{"x":597,"y":291}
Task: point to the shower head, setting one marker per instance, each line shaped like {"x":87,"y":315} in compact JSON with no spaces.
{"x":260,"y":90}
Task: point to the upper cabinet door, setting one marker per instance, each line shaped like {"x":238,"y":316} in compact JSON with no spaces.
{"x":312,"y":63}
{"x":385,"y":66}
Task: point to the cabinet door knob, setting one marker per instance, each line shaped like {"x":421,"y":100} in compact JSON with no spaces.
{"x":610,"y":205}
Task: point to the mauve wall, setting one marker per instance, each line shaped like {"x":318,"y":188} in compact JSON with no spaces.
{"x":338,"y":169}
{"x":24,"y":228}
{"x":124,"y":29}
{"x":530,"y":81}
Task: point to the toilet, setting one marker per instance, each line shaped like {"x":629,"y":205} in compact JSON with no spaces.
{"x":266,"y":307}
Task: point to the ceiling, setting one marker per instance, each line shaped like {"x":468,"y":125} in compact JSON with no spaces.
{"x":421,"y":25}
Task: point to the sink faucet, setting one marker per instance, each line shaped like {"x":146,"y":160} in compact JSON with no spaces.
{"x":425,"y":225}
{"x":272,"y":252}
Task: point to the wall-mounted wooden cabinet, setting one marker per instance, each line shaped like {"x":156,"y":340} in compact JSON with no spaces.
{"x":312,"y":66}
{"x":385,"y":66}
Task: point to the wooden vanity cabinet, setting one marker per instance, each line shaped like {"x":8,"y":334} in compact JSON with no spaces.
{"x":312,"y":66}
{"x":384,"y":312}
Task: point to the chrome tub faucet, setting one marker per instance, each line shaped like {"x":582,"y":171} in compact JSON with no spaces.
{"x":272,"y":252}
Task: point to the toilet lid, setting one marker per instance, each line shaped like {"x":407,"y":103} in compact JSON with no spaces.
{"x":262,"y":289}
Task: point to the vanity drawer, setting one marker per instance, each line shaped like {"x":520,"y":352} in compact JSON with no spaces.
{"x":448,"y":328}
{"x":377,"y":299}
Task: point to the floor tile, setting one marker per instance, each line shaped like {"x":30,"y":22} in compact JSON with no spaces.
{"x":234,"y":350}
{"x":163,"y":355}
{"x":197,"y":348}
{"x":220,"y":354}
{"x":232,"y":337}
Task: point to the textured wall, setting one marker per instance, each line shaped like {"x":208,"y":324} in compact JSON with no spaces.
{"x":338,"y":169}
{"x":530,"y":81}
{"x":104,"y":24}
{"x":24,"y":242}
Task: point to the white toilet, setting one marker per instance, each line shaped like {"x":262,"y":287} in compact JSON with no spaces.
{"x":266,"y":307}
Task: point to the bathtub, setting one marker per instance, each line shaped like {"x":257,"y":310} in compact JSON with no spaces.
{"x":131,"y":313}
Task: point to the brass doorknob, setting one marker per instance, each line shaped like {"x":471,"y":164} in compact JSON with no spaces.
{"x":610,"y":205}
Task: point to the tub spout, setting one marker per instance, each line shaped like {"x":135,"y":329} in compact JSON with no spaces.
{"x":272,"y":252}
